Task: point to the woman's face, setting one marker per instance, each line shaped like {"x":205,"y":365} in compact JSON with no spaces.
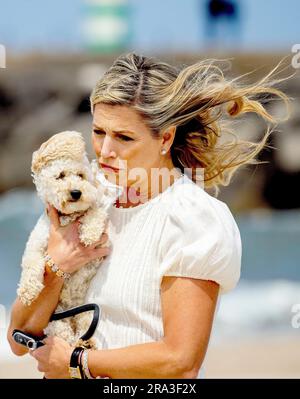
{"x":122,"y":140}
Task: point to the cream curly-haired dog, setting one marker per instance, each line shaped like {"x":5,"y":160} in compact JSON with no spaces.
{"x":65,"y":179}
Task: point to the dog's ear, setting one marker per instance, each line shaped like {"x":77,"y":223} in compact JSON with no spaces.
{"x":35,"y":163}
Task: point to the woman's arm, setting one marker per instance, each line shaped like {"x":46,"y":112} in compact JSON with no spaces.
{"x":149,"y":360}
{"x":188,"y":307}
{"x":34,"y":318}
{"x":67,"y":251}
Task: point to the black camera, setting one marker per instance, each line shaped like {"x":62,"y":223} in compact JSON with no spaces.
{"x":30,"y":341}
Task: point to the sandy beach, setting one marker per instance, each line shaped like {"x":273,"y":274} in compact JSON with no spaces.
{"x":263,"y":357}
{"x":20,"y":367}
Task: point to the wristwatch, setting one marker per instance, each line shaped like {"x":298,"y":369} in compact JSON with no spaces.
{"x":75,"y":368}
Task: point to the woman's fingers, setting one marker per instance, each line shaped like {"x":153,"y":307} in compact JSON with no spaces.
{"x":102,"y":252}
{"x":98,"y":244}
{"x":103,"y":238}
{"x":53,"y":216}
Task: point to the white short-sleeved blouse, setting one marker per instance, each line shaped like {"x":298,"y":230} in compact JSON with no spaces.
{"x":184,"y":231}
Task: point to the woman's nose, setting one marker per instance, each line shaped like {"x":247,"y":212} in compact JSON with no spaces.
{"x":106,"y":147}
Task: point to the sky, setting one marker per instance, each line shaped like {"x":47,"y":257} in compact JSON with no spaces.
{"x":176,"y":25}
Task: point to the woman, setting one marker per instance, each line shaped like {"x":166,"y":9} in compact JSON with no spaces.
{"x":175,"y":247}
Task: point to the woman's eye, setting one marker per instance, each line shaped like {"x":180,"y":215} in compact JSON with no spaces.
{"x":98,"y":132}
{"x":120,"y":136}
{"x":125,"y":138}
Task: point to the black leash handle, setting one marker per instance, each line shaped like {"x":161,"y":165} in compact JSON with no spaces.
{"x":77,"y":310}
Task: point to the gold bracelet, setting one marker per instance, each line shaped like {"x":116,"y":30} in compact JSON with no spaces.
{"x":53,"y":266}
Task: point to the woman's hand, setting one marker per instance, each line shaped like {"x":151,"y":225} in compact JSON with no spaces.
{"x":65,"y":248}
{"x":53,"y":358}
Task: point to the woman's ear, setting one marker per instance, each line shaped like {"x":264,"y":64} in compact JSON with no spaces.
{"x":168,"y":136}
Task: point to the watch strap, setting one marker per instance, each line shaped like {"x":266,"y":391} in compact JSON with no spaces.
{"x":75,"y":368}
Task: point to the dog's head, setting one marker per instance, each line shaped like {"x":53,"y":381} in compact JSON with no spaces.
{"x":63,"y":175}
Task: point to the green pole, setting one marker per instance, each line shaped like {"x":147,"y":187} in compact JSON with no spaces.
{"x":107,"y":25}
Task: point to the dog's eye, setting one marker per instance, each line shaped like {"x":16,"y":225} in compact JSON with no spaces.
{"x":61,"y":175}
{"x":80,"y":175}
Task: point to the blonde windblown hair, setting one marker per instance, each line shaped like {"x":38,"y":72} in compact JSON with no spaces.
{"x":199,"y":101}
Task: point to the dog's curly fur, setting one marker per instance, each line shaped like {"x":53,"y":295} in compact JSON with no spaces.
{"x":59,"y":166}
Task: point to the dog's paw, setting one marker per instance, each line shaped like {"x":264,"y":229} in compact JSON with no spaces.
{"x":91,"y":227}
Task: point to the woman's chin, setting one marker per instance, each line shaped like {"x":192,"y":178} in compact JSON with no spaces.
{"x":113,"y":178}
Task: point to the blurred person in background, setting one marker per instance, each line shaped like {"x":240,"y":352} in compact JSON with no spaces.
{"x":222,"y":23}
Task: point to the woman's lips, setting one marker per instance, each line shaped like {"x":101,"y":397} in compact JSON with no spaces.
{"x":104,"y":166}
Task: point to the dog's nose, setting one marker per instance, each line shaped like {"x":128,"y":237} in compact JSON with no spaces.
{"x":75,"y":194}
